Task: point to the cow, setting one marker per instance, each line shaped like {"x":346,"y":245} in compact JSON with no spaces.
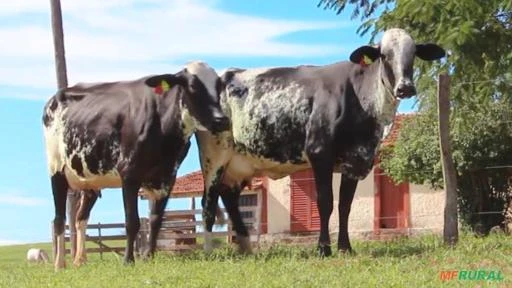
{"x":129,"y":134}
{"x":329,"y":118}
{"x":36,"y":255}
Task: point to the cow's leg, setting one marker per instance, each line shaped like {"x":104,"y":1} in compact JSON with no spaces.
{"x":347,"y":191}
{"x":230,"y":199}
{"x":87,"y":200}
{"x":209,"y":202}
{"x":132,"y":222}
{"x":320,"y":154}
{"x":155,"y":223}
{"x":60,"y":189}
{"x":323,"y":182}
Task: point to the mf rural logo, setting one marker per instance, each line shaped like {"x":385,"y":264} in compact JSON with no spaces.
{"x":486,"y":275}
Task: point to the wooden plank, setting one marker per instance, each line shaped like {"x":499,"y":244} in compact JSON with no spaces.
{"x":167,"y":236}
{"x":184,"y":247}
{"x":194,"y":224}
{"x":103,"y":238}
{"x":200,"y":211}
{"x":103,"y":226}
{"x":96,"y":250}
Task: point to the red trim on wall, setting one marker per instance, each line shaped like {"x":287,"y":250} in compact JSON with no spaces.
{"x":407,"y":203}
{"x":264,"y":204}
{"x":376,"y":199}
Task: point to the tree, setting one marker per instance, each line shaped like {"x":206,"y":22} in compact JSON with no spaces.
{"x":478,"y":36}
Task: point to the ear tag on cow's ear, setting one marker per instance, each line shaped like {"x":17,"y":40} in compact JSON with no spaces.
{"x":162,"y":88}
{"x":165,"y":86}
{"x":365,"y":61}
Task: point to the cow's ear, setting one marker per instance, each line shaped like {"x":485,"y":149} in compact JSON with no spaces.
{"x":370,"y":52}
{"x":429,"y":51}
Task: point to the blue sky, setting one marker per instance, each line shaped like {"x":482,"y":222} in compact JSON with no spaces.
{"x":125,"y":39}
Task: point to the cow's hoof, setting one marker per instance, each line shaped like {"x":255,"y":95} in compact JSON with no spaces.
{"x":244,"y":245}
{"x":347,"y":251}
{"x":60,"y":266}
{"x":147,"y":255}
{"x":128,"y":261}
{"x":208,"y":243}
{"x":79,"y":262}
{"x":324,"y":250}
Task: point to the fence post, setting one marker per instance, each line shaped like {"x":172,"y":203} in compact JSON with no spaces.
{"x":142,"y":242}
{"x":450,"y":230}
{"x":99,"y":240}
{"x":54,"y":241}
{"x":72,"y":198}
{"x":60,"y":64}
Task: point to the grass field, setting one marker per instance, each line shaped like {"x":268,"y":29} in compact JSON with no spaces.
{"x":404,"y":262}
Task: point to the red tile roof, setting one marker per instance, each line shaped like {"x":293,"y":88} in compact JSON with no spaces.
{"x":193,"y":183}
{"x":395,"y":129}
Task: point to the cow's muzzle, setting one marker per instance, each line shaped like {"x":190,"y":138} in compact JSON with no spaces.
{"x":405,"y":90}
{"x":220,"y":124}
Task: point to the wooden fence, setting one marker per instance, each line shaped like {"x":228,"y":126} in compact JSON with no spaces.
{"x":179,"y":232}
{"x":105,"y":239}
{"x":180,"y":229}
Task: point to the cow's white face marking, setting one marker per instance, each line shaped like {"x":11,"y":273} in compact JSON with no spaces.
{"x":206,"y":74}
{"x":399,"y":50}
{"x":190,"y":123}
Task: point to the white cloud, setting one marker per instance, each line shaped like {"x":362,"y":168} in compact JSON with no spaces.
{"x":18,"y":199}
{"x":121,"y":39}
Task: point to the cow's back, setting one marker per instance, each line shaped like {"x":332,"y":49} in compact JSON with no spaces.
{"x":83,"y":126}
{"x":268,"y":114}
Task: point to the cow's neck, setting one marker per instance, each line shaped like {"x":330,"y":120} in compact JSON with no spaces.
{"x":376,"y":94}
{"x":387,"y":103}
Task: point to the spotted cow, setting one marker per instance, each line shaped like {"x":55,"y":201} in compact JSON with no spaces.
{"x":329,"y":118}
{"x":124,"y":134}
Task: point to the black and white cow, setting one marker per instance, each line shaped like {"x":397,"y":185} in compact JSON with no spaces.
{"x":124,"y":134}
{"x":330,"y":118}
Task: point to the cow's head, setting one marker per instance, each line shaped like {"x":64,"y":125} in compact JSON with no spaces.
{"x":201,"y":86}
{"x":396,"y":52}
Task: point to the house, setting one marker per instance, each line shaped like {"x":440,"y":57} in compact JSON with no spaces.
{"x":288,"y":205}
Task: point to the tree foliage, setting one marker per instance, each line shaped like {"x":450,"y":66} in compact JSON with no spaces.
{"x":478,"y":36}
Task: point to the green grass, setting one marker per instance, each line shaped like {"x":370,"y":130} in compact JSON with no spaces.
{"x":415,"y":262}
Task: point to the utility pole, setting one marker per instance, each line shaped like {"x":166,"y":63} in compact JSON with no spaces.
{"x":62,"y":82}
{"x":450,"y":230}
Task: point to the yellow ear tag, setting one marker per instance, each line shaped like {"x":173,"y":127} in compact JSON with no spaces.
{"x":365,"y":61}
{"x":165,"y":86}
